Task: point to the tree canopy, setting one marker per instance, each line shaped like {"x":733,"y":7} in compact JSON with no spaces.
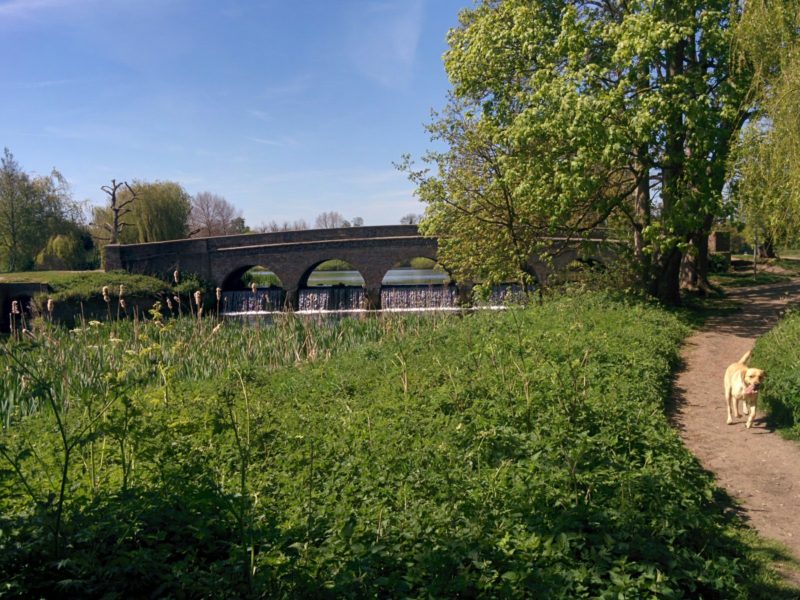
{"x":213,"y":215}
{"x":32,"y":210}
{"x":570,"y":115}
{"x":766,"y":164}
{"x":159,"y":212}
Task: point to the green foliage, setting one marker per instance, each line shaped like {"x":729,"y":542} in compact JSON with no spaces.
{"x":159,"y":212}
{"x":566,"y":114}
{"x":776,"y":352}
{"x":32,"y":209}
{"x":522,"y":454}
{"x":766,"y":163}
{"x":334,"y":265}
{"x":719,"y":262}
{"x":73,"y":250}
{"x":74,"y":287}
{"x":261,"y":279}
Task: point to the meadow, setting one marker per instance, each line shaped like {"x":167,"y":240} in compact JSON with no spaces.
{"x":516,"y":454}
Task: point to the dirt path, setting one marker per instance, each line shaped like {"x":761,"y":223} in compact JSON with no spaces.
{"x":757,"y":467}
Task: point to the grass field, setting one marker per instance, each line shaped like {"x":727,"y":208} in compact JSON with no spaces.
{"x":497,"y":455}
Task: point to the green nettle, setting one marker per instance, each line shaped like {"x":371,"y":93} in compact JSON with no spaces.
{"x":522,"y":454}
{"x":566,"y":116}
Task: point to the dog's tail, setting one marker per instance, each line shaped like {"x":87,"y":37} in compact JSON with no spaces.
{"x":745,"y":358}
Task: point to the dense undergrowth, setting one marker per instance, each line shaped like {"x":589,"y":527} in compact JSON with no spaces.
{"x":522,"y":454}
{"x":776,"y":352}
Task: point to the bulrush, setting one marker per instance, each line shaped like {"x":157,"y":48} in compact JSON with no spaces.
{"x":51,"y":305}
{"x":176,"y":276}
{"x":253,"y":287}
{"x":219,"y":294}
{"x":121,"y":290}
{"x":198,"y":300}
{"x":106,"y":295}
{"x":122,"y":304}
{"x":169,"y":304}
{"x":15,"y":307}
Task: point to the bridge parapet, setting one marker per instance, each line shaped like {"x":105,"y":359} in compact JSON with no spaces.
{"x":291,"y":255}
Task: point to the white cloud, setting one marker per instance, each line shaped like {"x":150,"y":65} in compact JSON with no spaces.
{"x":283,"y":89}
{"x":45,"y":83}
{"x":23,"y":9}
{"x":282,"y":142}
{"x":383,"y":38}
{"x":260,"y":115}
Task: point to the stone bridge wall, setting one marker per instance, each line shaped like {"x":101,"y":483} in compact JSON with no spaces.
{"x":291,"y":255}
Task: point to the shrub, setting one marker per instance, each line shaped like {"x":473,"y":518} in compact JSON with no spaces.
{"x":776,"y":352}
{"x":719,"y":262}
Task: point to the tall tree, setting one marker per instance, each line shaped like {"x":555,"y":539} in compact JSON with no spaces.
{"x":766,"y":164}
{"x":31,"y":210}
{"x":214,"y":215}
{"x":565,"y":113}
{"x":118,"y":208}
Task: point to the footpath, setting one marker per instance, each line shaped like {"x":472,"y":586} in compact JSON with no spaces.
{"x":757,"y":467}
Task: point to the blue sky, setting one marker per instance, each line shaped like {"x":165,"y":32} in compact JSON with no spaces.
{"x":287,"y":108}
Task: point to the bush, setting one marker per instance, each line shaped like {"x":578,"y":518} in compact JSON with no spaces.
{"x":776,"y":352}
{"x":719,"y":262}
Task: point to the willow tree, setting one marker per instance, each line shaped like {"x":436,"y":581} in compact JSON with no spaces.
{"x":160,"y":212}
{"x":564,"y":114}
{"x":766,"y":165}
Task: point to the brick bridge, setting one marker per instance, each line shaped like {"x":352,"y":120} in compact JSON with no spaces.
{"x":293,"y":256}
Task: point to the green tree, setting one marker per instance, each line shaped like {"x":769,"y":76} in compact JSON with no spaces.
{"x":766,"y":164}
{"x":73,"y":249}
{"x":160,"y":212}
{"x":31,"y":210}
{"x":565,"y":114}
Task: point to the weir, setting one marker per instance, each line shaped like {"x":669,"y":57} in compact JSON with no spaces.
{"x":352,"y":298}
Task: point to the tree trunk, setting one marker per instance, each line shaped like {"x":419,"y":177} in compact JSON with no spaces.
{"x":667,"y":284}
{"x":767,"y":248}
{"x":694,"y":271}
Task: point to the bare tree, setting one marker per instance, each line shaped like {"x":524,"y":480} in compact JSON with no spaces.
{"x":330,"y":220}
{"x":411,"y":219}
{"x":358,"y":222}
{"x":285,"y":226}
{"x":118,"y":209}
{"x":213,"y":215}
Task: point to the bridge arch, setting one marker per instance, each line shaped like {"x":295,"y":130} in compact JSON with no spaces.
{"x":239,"y":295}
{"x":235,"y":280}
{"x":331,"y":284}
{"x":344,"y":265}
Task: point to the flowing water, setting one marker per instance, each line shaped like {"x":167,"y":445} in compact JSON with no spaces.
{"x":403,"y":289}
